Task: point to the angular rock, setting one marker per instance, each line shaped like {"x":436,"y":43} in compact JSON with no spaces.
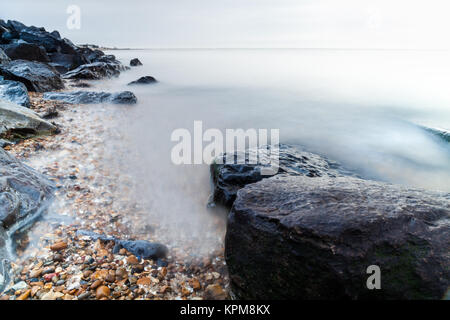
{"x":24,"y":195}
{"x":15,"y":92}
{"x":293,"y":237}
{"x":17,"y":122}
{"x":234,"y":172}
{"x":143,"y":80}
{"x":135,"y":62}
{"x":36,"y":76}
{"x":92,"y":97}
{"x":26,"y":51}
{"x":93,"y":71}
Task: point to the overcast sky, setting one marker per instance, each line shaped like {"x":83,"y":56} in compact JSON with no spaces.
{"x":244,"y":23}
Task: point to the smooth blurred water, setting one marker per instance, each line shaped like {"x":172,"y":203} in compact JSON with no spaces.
{"x":357,"y":107}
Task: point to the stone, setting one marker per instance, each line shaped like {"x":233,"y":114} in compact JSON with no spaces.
{"x":135,"y":62}
{"x":15,"y":92}
{"x":58,"y":246}
{"x":132,"y":260}
{"x":4,"y":59}
{"x":215,"y":292}
{"x":24,"y":295}
{"x":230,"y":176}
{"x":102,"y":292}
{"x":36,"y":76}
{"x":26,"y":51}
{"x":142,"y":249}
{"x":91,"y":97}
{"x":94,"y":71}
{"x":24,"y":195}
{"x":296,"y":237}
{"x":65,"y":62}
{"x":96,"y":284}
{"x":19,"y":123}
{"x":51,"y":295}
{"x":143,"y":80}
{"x":146,"y":281}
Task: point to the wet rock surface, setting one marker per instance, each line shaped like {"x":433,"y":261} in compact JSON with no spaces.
{"x":94,"y":71}
{"x":17,"y":122}
{"x":295,"y":237}
{"x":143,"y":80}
{"x":135,"y":62}
{"x":92,"y":97}
{"x":26,"y":51}
{"x":36,"y":76}
{"x":56,"y":261}
{"x":15,"y":92}
{"x":228,"y":176}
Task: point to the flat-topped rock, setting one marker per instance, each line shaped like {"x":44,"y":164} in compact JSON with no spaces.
{"x":295,"y":237}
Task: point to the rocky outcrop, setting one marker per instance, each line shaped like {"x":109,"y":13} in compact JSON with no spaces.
{"x":17,"y":122}
{"x":295,"y":237}
{"x":94,"y":71}
{"x":3,"y":57}
{"x":36,"y":76}
{"x":135,"y":62}
{"x":15,"y":92}
{"x":228,"y":176}
{"x":24,"y":196}
{"x":92,"y":97}
{"x":26,"y":51}
{"x":143,"y":80}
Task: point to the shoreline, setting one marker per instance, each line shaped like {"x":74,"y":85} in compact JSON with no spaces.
{"x":46,"y":274}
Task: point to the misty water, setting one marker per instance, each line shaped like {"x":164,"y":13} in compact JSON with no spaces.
{"x":360,"y":108}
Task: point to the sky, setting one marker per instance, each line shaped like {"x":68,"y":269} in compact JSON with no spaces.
{"x":381,"y":24}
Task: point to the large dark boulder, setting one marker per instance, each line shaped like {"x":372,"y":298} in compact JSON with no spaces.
{"x":143,"y":80}
{"x":24,"y":196}
{"x":93,"y":71}
{"x":17,"y":122}
{"x":234,"y":171}
{"x":26,"y":51}
{"x":15,"y":92}
{"x":92,"y":97}
{"x":295,"y":237}
{"x":36,"y":76}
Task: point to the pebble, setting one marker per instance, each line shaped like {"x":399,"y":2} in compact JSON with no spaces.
{"x":102,"y":292}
